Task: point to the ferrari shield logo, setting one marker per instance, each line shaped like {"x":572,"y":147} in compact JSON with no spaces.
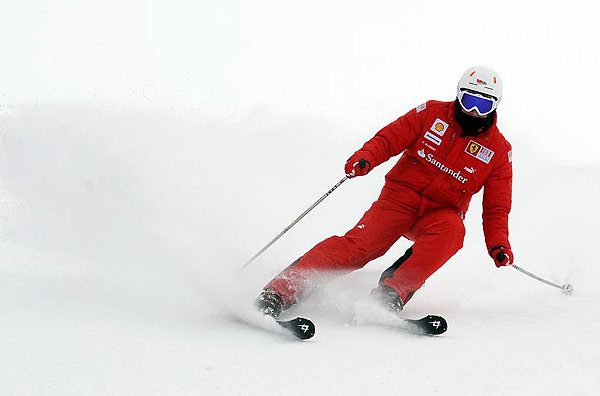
{"x":473,"y":147}
{"x":480,"y":152}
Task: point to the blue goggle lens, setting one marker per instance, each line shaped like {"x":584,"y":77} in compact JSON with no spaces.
{"x":470,"y":102}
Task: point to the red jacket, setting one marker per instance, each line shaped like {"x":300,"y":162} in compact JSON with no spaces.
{"x":445,"y":168}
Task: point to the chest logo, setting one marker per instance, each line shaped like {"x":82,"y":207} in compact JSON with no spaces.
{"x":445,"y":169}
{"x":433,"y":138}
{"x":439,"y":127}
{"x":480,"y":152}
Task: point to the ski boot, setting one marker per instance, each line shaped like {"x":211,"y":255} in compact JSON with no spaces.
{"x":270,"y":303}
{"x":388,"y":297}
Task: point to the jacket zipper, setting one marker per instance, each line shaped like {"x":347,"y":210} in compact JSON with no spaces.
{"x":447,"y":154}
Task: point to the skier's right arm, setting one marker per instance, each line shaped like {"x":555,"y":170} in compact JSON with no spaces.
{"x":388,"y":142}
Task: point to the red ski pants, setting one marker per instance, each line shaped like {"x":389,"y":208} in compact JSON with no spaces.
{"x":437,"y":233}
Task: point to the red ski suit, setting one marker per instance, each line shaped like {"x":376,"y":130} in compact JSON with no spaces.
{"x":425,"y":198}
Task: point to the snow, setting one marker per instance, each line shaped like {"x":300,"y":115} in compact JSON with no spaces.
{"x":120,"y":257}
{"x":142,"y":165}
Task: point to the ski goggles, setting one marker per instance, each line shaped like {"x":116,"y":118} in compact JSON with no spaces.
{"x":483,"y":105}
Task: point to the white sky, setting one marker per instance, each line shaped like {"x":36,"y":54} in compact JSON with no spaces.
{"x":356,"y":64}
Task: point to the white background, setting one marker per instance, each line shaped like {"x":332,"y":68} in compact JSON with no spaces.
{"x":147,"y":149}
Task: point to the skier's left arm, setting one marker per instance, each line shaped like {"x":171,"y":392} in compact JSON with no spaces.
{"x":497,"y":201}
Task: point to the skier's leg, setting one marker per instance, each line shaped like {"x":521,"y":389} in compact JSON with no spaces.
{"x":438,"y":236}
{"x":382,"y":225}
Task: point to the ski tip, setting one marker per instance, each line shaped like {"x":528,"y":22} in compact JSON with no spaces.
{"x":434,"y":325}
{"x":429,"y":325}
{"x":301,"y":328}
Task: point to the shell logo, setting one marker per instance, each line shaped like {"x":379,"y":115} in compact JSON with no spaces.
{"x":439,"y":127}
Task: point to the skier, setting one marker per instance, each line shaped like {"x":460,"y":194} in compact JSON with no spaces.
{"x":450,"y":151}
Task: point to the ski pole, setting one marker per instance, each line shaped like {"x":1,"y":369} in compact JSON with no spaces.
{"x":261,"y":251}
{"x":566,"y":289}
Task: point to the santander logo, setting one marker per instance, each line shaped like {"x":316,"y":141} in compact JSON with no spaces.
{"x":442,"y":167}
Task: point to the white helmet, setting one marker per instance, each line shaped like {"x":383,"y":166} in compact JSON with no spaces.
{"x":483,"y":87}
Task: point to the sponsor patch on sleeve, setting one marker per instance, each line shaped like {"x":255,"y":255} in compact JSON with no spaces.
{"x":510,"y":157}
{"x":421,"y":107}
{"x":439,"y":127}
{"x":478,"y":151}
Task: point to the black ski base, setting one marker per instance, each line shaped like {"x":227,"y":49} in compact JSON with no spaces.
{"x":428,"y":325}
{"x":299,"y":327}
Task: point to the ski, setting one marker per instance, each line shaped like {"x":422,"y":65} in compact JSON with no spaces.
{"x":370,"y":311}
{"x":301,"y":328}
{"x":428,"y":325}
